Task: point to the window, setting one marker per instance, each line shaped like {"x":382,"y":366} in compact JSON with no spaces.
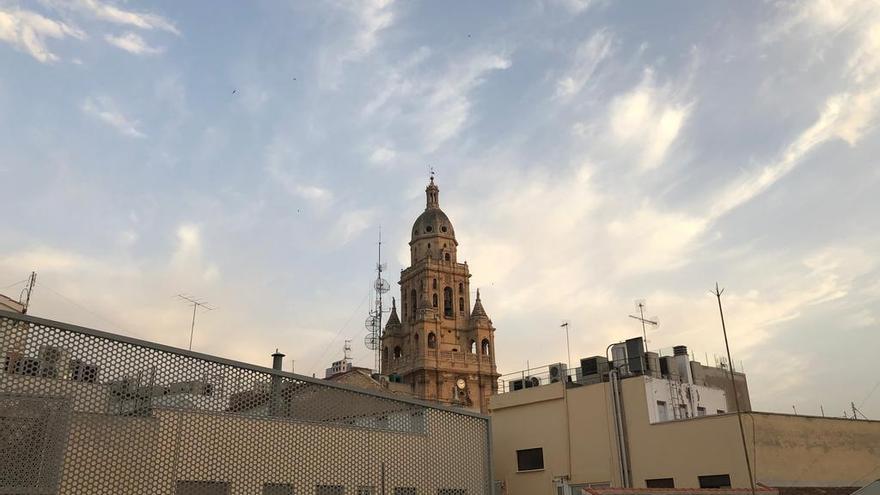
{"x":682,"y":411}
{"x":397,"y":352}
{"x":443,"y":228}
{"x":660,"y":483}
{"x":446,"y":256}
{"x":447,"y":302}
{"x":412,"y":302}
{"x":530,"y":459}
{"x":461,"y":304}
{"x":485,"y":347}
{"x":719,"y":411}
{"x":329,"y":490}
{"x":404,"y":490}
{"x":429,"y":229}
{"x":715,"y":481}
{"x":202,"y":488}
{"x":366,"y":490}
{"x":434,"y":300}
{"x":432,"y":341}
{"x":662,"y":414}
{"x":701,"y":411}
{"x":277,"y":489}
{"x":434,"y":284}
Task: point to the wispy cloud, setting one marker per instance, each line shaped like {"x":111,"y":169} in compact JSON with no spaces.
{"x":110,"y":13}
{"x":27,"y":31}
{"x":587,"y":58}
{"x":104,"y":110}
{"x":132,"y":43}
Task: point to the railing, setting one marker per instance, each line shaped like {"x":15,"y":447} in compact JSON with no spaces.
{"x":128,"y":416}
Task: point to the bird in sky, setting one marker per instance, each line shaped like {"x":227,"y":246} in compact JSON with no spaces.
{"x":234,"y":91}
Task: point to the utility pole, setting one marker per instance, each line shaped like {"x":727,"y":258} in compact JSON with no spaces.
{"x":195,"y":304}
{"x":742,"y":432}
{"x":25,"y":296}
{"x":567,"y":346}
{"x":654,"y":321}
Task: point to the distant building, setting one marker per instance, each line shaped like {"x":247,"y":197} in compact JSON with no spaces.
{"x":341,"y":366}
{"x":440,"y":346}
{"x":638,"y":420}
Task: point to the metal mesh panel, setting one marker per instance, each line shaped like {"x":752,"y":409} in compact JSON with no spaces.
{"x":83,"y":411}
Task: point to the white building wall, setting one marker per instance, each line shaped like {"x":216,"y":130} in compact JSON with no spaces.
{"x":681,"y":400}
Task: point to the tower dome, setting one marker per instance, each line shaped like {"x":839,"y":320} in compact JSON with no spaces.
{"x":432,"y":233}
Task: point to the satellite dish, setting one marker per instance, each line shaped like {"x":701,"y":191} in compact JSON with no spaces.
{"x":371,"y":341}
{"x":382,"y":286}
{"x":370,"y":323}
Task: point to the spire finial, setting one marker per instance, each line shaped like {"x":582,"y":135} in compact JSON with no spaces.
{"x":432,"y":193}
{"x":478,"y":293}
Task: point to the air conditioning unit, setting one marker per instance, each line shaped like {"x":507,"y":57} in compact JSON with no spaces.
{"x":594,"y":365}
{"x":558,"y":372}
{"x":517,"y":384}
{"x":533,"y":381}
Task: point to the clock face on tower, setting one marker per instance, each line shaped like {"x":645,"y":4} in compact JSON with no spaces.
{"x":460,"y":384}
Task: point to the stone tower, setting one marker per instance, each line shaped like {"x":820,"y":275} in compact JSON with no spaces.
{"x":439,"y":345}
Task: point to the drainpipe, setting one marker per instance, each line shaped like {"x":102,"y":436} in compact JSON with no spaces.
{"x":619,"y":427}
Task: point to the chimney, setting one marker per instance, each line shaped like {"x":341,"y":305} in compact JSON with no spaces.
{"x":275,"y":398}
{"x":683,"y":363}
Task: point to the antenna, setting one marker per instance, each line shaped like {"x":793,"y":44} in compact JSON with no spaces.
{"x":373,"y":323}
{"x":195,"y":304}
{"x":653,"y":321}
{"x":25,"y":297}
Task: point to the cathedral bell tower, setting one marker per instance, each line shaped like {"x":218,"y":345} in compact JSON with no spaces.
{"x":440,"y":345}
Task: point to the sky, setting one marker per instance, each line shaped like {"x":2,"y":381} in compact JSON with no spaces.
{"x":590,"y":153}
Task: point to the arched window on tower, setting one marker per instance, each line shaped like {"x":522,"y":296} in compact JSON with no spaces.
{"x":461,"y":305}
{"x":446,"y":256}
{"x":385,"y":354}
{"x":447,"y":302}
{"x":412,"y":303}
{"x":432,"y":341}
{"x":434,"y":300}
{"x":460,"y":288}
{"x":434,"y":284}
{"x":397,"y":352}
{"x":485,"y":347}
{"x":472,"y":348}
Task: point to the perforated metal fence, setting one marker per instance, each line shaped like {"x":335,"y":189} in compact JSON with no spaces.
{"x":83,"y":411}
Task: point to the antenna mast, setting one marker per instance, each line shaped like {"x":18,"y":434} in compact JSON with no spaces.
{"x":373,"y":323}
{"x":25,"y":297}
{"x":195,"y":304}
{"x":653,"y":321}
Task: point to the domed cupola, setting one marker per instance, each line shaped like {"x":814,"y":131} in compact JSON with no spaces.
{"x":432,"y":233}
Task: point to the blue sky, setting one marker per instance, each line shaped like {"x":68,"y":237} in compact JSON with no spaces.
{"x":589,"y":153}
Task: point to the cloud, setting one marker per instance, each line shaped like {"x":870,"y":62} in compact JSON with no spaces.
{"x":27,"y":32}
{"x":382,"y":155}
{"x":433,"y":107}
{"x":104,"y":110}
{"x":132,"y":43}
{"x":648,"y":118}
{"x":111,"y":13}
{"x":587,"y":58}
{"x":350,"y":224}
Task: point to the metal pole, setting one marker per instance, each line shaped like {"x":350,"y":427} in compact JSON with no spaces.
{"x":193,"y":327}
{"x":644,"y":330}
{"x":735,"y":395}
{"x":567,"y":344}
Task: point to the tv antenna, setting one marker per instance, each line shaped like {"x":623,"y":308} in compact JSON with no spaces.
{"x":373,"y":323}
{"x":196,"y":304}
{"x":653,"y":321}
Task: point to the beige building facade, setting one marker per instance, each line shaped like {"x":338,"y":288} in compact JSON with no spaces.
{"x":440,"y":346}
{"x":559,"y":435}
